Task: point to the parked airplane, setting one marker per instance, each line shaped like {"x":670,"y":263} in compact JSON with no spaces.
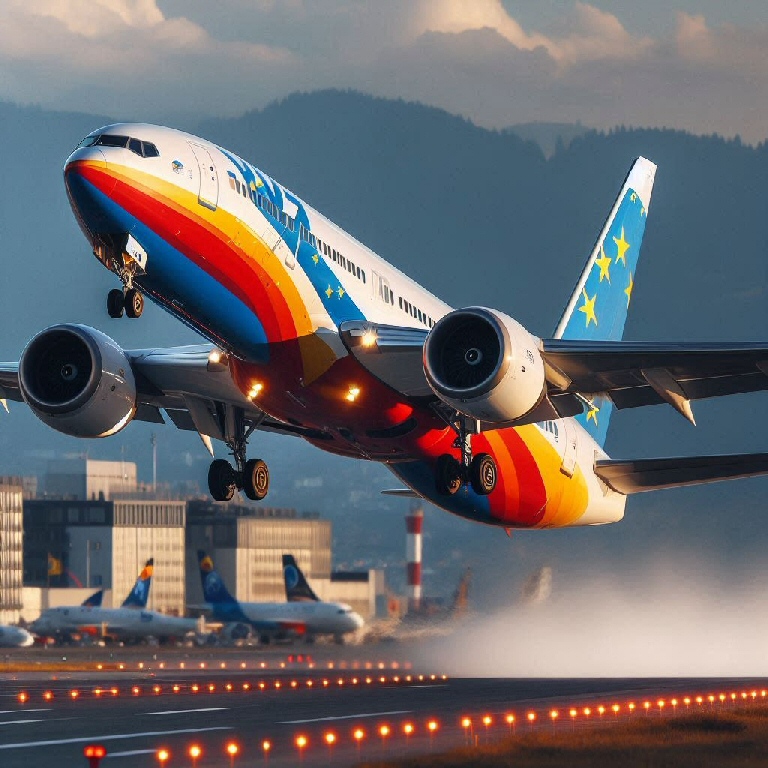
{"x":131,"y":621}
{"x":277,"y":621}
{"x":315,"y":335}
{"x":15,"y":637}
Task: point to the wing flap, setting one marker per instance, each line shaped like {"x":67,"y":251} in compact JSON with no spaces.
{"x":640,"y":475}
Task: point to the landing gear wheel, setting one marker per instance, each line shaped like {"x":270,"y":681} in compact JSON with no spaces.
{"x":115,"y":303}
{"x":134,"y":303}
{"x":222,"y":482}
{"x":255,"y":479}
{"x":483,"y":474}
{"x":448,"y":475}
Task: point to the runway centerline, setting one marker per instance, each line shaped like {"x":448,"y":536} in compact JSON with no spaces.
{"x":109,"y":737}
{"x":345,"y":717}
{"x":185,"y":711}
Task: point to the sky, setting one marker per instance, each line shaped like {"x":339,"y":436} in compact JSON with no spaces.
{"x":696,"y":65}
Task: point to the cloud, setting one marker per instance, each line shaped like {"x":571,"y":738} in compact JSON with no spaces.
{"x":151,"y":59}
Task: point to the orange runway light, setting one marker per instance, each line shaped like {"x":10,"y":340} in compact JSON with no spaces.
{"x":408,"y":729}
{"x":163,"y":756}
{"x":466,"y":722}
{"x":176,"y":688}
{"x":135,"y":690}
{"x":432,"y":726}
{"x":228,"y":687}
{"x":95,"y":753}
{"x":631,"y":707}
{"x":23,"y":697}
{"x":211,"y":687}
{"x":573,"y":713}
{"x":194,"y":752}
{"x":97,"y":691}
{"x":384,"y":731}
{"x":340,"y":681}
{"x":646,"y":706}
{"x":487,"y":720}
{"x":601,"y":710}
{"x":330,"y":738}
{"x":246,"y":686}
{"x":699,"y":700}
{"x":156,"y":689}
{"x":721,"y":697}
{"x":587,"y":711}
{"x":74,"y":694}
{"x":615,"y":709}
{"x":266,"y":745}
{"x":309,"y":683}
{"x":277,"y":684}
{"x":531,"y":717}
{"x":48,"y":695}
{"x":232,"y":749}
{"x":358,"y":735}
{"x":114,"y":692}
{"x":195,"y":688}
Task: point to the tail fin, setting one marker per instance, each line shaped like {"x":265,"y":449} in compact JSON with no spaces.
{"x":461,"y":595}
{"x":215,"y":591}
{"x":597,"y":310}
{"x":138,"y":596}
{"x":296,"y":586}
{"x":95,"y":600}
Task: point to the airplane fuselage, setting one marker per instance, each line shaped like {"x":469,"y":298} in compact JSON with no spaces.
{"x":269,"y":280}
{"x":120,"y":622}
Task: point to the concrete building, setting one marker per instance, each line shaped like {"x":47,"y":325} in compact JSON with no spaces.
{"x":11,"y":548}
{"x":104,"y":544}
{"x":87,"y":479}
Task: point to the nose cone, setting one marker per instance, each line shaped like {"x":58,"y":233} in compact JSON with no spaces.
{"x":26,"y":638}
{"x":89,"y":186}
{"x":357,"y":621}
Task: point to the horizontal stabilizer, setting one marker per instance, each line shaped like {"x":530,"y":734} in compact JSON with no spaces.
{"x":653,"y":474}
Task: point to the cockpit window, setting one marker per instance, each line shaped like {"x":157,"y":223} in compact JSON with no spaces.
{"x":138,"y":147}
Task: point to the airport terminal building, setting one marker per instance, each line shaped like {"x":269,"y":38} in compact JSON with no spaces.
{"x":11,"y":549}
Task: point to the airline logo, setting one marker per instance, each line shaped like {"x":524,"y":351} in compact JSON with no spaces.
{"x":291,"y":576}
{"x":206,"y":564}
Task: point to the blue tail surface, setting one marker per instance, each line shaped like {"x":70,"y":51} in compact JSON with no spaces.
{"x":597,"y":309}
{"x":225,"y":606}
{"x":297,"y":588}
{"x":95,"y":600}
{"x":139,"y":595}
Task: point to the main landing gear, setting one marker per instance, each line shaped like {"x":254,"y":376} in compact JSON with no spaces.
{"x":248,"y":475}
{"x":129,"y":300}
{"x":478,"y":471}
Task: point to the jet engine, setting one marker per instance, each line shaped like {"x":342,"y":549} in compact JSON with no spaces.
{"x":485,"y":365}
{"x":78,"y":381}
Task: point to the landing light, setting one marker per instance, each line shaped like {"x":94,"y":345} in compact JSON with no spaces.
{"x":369,"y":338}
{"x":217,"y":361}
{"x":352,"y":394}
{"x":255,"y":390}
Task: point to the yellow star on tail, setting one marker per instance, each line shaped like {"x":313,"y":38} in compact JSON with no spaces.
{"x":604,"y":262}
{"x":628,"y":289}
{"x":340,"y":291}
{"x":623,"y":247}
{"x":592,"y":413}
{"x":329,"y":292}
{"x":588,"y":308}
{"x":315,"y":258}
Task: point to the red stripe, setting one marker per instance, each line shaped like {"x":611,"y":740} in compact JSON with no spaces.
{"x":414,"y":574}
{"x":414,"y":523}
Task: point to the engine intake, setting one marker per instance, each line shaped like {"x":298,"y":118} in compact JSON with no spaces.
{"x":485,"y":365}
{"x":78,"y":381}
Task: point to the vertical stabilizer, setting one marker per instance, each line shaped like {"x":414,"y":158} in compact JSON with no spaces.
{"x":139,"y":595}
{"x":597,"y":309}
{"x":297,"y":588}
{"x":225,"y":606}
{"x":95,"y":600}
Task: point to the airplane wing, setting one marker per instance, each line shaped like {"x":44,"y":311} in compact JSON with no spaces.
{"x":179,"y":383}
{"x":652,"y":474}
{"x":631,"y":374}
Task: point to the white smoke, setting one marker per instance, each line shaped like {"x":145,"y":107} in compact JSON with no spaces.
{"x":666,"y":620}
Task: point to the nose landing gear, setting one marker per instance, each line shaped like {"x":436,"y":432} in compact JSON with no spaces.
{"x":130,"y":301}
{"x":479,"y":471}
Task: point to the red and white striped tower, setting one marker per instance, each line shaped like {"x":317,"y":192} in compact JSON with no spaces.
{"x":414,"y":521}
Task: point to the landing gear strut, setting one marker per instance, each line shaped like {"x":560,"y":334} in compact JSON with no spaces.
{"x":248,"y":475}
{"x":478,"y":471}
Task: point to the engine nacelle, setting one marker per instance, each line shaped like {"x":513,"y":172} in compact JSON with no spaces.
{"x":78,"y":381}
{"x":485,"y":365}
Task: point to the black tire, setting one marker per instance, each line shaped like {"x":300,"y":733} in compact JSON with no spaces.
{"x":256,"y":479}
{"x":134,"y":303}
{"x":221,"y":480}
{"x":483,"y":474}
{"x":115,"y":303}
{"x":448,"y":475}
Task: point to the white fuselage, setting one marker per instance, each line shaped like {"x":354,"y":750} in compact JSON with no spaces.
{"x":317,"y":618}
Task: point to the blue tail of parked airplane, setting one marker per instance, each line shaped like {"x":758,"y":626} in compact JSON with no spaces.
{"x":139,"y":595}
{"x":597,"y":309}
{"x":95,"y":600}
{"x":296,"y":586}
{"x":225,"y":606}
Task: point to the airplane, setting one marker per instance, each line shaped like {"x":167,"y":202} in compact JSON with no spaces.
{"x":278,"y":621}
{"x":309,"y":333}
{"x":15,"y":637}
{"x":131,"y":621}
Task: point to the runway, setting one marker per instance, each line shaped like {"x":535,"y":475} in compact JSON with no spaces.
{"x":330,"y":711}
